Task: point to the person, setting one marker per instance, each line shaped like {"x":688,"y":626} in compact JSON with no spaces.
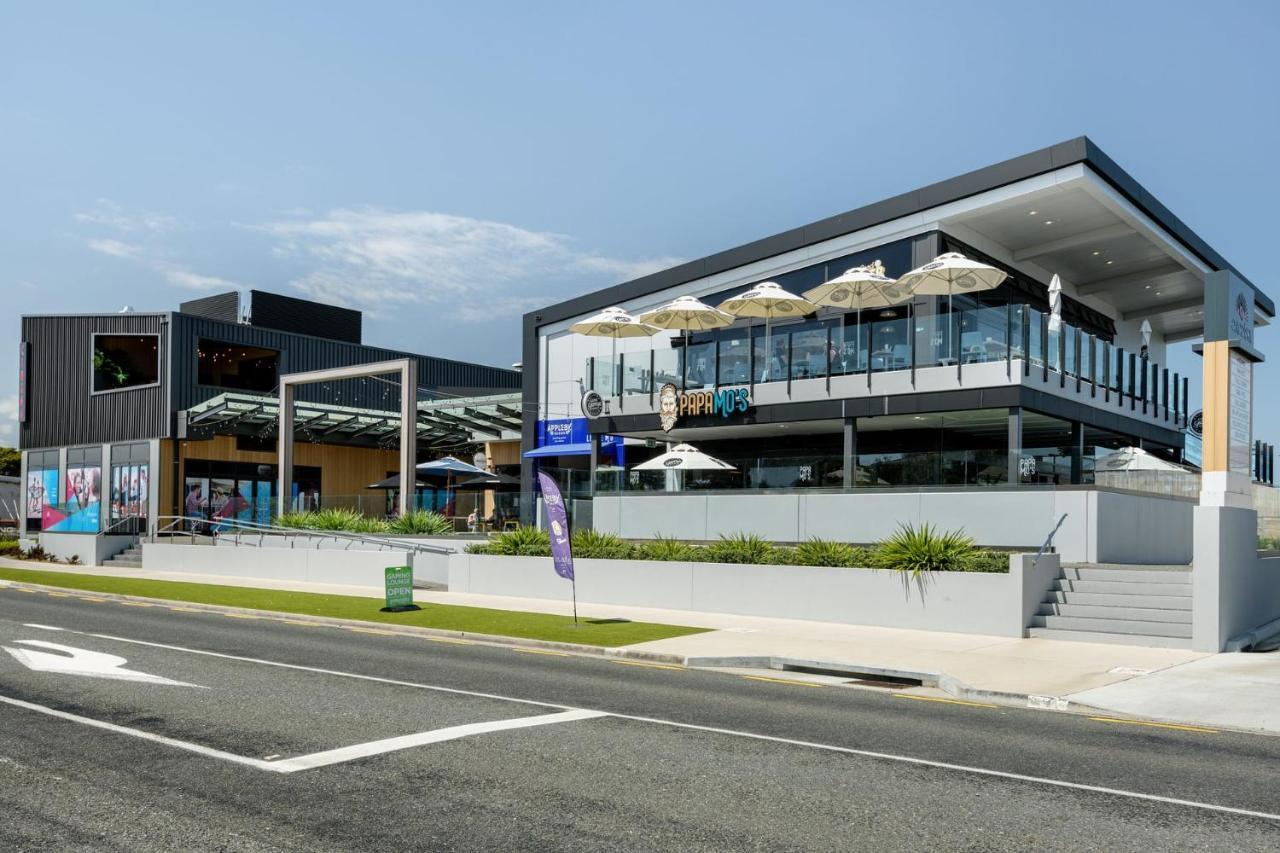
{"x":473,"y":519}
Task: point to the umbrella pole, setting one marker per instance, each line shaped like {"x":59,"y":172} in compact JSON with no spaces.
{"x":768,"y":353}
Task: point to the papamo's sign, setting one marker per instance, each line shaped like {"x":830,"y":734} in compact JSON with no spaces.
{"x":673,"y":404}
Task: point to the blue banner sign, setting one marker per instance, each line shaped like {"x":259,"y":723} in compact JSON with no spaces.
{"x":557,"y":526}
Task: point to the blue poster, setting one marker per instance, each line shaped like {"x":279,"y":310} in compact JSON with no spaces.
{"x":557,"y":526}
{"x":262,"y":502}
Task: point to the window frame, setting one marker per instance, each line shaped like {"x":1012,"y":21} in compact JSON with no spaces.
{"x":93,"y":348}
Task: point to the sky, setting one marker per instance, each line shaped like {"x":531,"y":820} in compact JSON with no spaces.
{"x":447,"y":167}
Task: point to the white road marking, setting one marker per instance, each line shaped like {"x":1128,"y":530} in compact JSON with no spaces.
{"x":83,"y":662}
{"x":318,"y":759}
{"x":42,"y":627}
{"x":881,"y":756}
{"x":378,"y":747}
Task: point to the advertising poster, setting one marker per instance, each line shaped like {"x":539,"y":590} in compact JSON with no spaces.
{"x":117,"y":493}
{"x":144,"y":491}
{"x":196,"y":502}
{"x":220,"y":494}
{"x":35,"y":494}
{"x":83,"y":495}
{"x":262,"y":503}
{"x":244,"y":500}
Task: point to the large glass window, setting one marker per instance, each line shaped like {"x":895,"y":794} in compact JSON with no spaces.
{"x":1046,"y":450}
{"x":700,"y":365}
{"x":237,"y":366}
{"x":42,"y":490}
{"x":125,"y":361}
{"x":79,"y":511}
{"x":968,"y":448}
{"x":735,"y":357}
{"x":890,"y":340}
{"x":130,"y":486}
{"x":808,"y":350}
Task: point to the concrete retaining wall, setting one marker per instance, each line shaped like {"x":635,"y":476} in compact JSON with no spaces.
{"x":963,"y":602}
{"x":90,"y":549}
{"x":352,"y":568}
{"x":1100,"y":526}
{"x":1233,"y":590}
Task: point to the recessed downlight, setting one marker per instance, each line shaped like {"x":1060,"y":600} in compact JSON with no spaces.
{"x":1109,"y":263}
{"x":1031,"y":213}
{"x":1096,"y":252}
{"x":1048,"y":222}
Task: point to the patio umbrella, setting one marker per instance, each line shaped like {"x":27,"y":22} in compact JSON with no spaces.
{"x":684,"y":457}
{"x":949,"y":274}
{"x":613,"y":323}
{"x":393,"y":482}
{"x":1133,"y":459}
{"x":493,"y":482}
{"x":686,"y":313}
{"x":1055,"y":303}
{"x":450,"y":465}
{"x":767,"y":300}
{"x":858,"y":288}
{"x":1146,"y":337}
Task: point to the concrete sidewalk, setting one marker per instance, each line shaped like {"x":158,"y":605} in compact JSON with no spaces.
{"x":1174,"y":685}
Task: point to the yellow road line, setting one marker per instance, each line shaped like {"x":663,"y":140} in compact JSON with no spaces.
{"x":540,"y":652}
{"x":240,"y":616}
{"x":647,"y":664}
{"x":94,"y":600}
{"x":370,"y":631}
{"x":302,"y":623}
{"x":1174,"y":726}
{"x":944,"y":701}
{"x":135,"y":604}
{"x":58,"y":594}
{"x":185,"y":610}
{"x":789,"y":681}
{"x":449,"y":640}
{"x":24,"y":589}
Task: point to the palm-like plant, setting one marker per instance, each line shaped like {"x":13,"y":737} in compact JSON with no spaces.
{"x":921,"y":549}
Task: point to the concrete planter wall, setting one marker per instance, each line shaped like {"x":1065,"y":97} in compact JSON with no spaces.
{"x":1100,"y":526}
{"x":433,"y":568}
{"x":963,"y":602}
{"x":314,"y":565}
{"x":90,"y":549}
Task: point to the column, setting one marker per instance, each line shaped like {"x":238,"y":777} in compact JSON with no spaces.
{"x":850,"y":479}
{"x":1077,"y":453}
{"x":1015,"y":445}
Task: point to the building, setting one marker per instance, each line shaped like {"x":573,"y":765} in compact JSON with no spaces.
{"x":135,"y":416}
{"x":972,"y":404}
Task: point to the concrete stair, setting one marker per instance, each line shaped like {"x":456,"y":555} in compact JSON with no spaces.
{"x":1124,"y":604}
{"x":129,"y":558}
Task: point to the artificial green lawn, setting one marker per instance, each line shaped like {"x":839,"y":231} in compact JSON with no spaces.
{"x":479,"y":620}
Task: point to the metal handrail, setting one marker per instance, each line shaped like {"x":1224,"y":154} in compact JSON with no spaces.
{"x":238,"y":527}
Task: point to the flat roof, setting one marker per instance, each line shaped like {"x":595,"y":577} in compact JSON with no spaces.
{"x":1069,"y":153}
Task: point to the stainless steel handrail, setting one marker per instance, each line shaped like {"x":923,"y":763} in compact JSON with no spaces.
{"x":238,"y":527}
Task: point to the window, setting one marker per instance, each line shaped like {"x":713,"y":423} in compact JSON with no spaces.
{"x":238,"y":366}
{"x":125,"y":361}
{"x":130,"y":487}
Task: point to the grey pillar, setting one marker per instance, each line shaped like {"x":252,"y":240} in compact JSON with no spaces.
{"x":284,"y":439}
{"x":595,"y":460}
{"x":1015,"y":445}
{"x":1077,"y":452}
{"x":408,"y":434}
{"x":850,"y":453}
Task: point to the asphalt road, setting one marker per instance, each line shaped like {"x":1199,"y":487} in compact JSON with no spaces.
{"x":283,"y":736}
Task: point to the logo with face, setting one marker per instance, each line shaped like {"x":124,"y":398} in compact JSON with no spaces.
{"x":1242,"y":308}
{"x":667,"y":406}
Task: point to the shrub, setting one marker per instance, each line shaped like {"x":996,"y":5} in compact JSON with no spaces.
{"x":591,"y":544}
{"x":666,"y":549}
{"x":337,"y":520}
{"x":746,"y":548}
{"x":1269,"y":543}
{"x":10,"y":547}
{"x":920,"y":549}
{"x":987,"y":561}
{"x":824,"y":552}
{"x":524,"y":542}
{"x":423,"y":522}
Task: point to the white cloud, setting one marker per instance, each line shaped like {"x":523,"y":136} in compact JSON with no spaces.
{"x":173,"y":273}
{"x":9,"y":421}
{"x":107,"y":213}
{"x":374,"y":258}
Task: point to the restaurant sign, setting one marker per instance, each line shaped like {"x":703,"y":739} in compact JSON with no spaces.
{"x":673,"y":404}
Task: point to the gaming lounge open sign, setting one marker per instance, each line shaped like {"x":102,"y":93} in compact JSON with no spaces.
{"x":673,"y":404}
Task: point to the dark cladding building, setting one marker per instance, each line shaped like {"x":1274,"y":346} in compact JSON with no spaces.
{"x":104,"y":423}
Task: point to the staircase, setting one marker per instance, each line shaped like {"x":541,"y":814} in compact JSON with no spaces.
{"x":1110,"y":603}
{"x":129,"y":558}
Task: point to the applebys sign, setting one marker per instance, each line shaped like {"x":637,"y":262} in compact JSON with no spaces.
{"x":673,"y":404}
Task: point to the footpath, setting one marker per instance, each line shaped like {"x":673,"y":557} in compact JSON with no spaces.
{"x":1236,"y":691}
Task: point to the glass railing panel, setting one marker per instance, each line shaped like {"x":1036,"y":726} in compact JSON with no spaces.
{"x":983,"y":335}
{"x":890,"y":345}
{"x":602,"y":376}
{"x":849,"y":349}
{"x":1054,"y":353}
{"x":734,"y":367}
{"x":1070,"y":340}
{"x":808,"y":353}
{"x":700,"y":365}
{"x":1035,"y":341}
{"x":935,"y":339}
{"x":770,"y":356}
{"x":635,"y":372}
{"x":1017,"y":321}
{"x":668,"y":367}
{"x":1086,"y":357}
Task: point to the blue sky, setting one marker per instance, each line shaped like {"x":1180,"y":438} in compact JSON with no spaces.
{"x":448,"y":167}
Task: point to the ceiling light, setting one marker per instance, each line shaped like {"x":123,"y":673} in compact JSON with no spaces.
{"x":1031,"y":213}
{"x":1096,"y":252}
{"x":1148,"y":287}
{"x":1109,"y":263}
{"x":1157,"y":293}
{"x":1048,"y":222}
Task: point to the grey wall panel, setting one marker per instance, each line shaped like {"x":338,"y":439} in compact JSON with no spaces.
{"x":304,"y":317}
{"x":61,"y":408}
{"x":299,"y":353}
{"x":220,"y":306}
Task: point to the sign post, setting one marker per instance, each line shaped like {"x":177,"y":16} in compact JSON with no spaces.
{"x":399,"y":589}
{"x":558,"y":531}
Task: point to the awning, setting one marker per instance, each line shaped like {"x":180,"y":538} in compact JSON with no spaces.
{"x":582,"y":449}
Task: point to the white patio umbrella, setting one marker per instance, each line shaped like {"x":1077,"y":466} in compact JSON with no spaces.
{"x":1133,"y":459}
{"x":858,"y":288}
{"x":1145,"y":328}
{"x":1055,"y":303}
{"x":952,"y":273}
{"x":683,"y":457}
{"x":685,"y":314}
{"x":767,"y":300}
{"x":613,"y":323}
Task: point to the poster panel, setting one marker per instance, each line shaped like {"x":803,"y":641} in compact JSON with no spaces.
{"x":144,"y":492}
{"x":196,"y":501}
{"x":35,"y":493}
